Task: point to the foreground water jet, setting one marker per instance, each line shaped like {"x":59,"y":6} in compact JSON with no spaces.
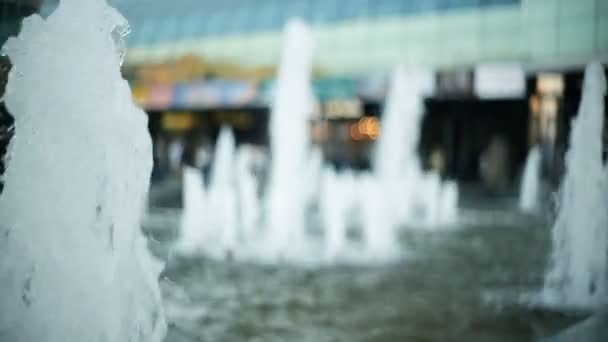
{"x":580,"y":235}
{"x":73,"y":263}
{"x":290,"y":145}
{"x":530,"y":185}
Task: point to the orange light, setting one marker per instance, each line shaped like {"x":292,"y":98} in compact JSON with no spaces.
{"x":355,"y":133}
{"x":369,"y":127}
{"x":361,"y":125}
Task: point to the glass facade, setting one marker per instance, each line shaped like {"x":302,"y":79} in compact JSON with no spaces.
{"x":157,"y":22}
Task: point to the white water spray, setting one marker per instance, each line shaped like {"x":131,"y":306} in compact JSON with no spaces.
{"x":249,"y":213}
{"x":397,"y":193}
{"x":579,"y":273}
{"x":73,"y":263}
{"x":448,"y":203}
{"x":314,"y":177}
{"x":412,"y":196}
{"x":379,"y":234}
{"x":222,"y":193}
{"x":193,"y":229}
{"x":333,"y":211}
{"x":290,"y":143}
{"x":530,"y":185}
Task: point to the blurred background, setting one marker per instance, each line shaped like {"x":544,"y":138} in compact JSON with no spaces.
{"x":506,"y":76}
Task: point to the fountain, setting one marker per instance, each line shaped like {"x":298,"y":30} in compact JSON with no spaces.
{"x":530,"y":185}
{"x":247,"y":184}
{"x":379,"y":231}
{"x":414,"y":197}
{"x":303,"y":194}
{"x":313,"y":177}
{"x":448,"y":203}
{"x":235,"y":225}
{"x":192,"y":230}
{"x":403,"y":110}
{"x":579,"y":273}
{"x":222,"y":195}
{"x":73,"y":262}
{"x":286,"y":207}
{"x":333,"y":211}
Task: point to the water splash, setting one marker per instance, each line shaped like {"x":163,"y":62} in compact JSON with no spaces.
{"x":530,"y":185}
{"x":448,"y":203}
{"x":71,"y":246}
{"x":290,"y":144}
{"x":579,"y":273}
{"x":310,"y":209}
{"x":314,"y":178}
{"x":334,"y":204}
{"x":249,"y":213}
{"x":379,"y":231}
{"x":193,"y":220}
{"x":413,"y":196}
{"x":222,"y":193}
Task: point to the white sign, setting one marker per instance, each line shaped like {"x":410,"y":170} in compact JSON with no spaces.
{"x":500,"y":80}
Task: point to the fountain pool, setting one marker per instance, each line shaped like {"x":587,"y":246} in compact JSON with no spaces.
{"x":435,"y":293}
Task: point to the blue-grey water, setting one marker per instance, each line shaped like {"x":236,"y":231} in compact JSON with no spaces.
{"x":455,"y":285}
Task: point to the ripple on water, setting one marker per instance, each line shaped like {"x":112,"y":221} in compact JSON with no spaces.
{"x":441,"y":294}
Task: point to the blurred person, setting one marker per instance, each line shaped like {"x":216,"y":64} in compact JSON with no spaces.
{"x":160,"y":158}
{"x":494,"y":165}
{"x":437,"y":161}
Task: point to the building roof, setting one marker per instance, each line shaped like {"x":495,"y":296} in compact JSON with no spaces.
{"x":154,"y":21}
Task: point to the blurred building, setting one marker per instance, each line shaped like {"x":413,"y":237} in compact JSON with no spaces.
{"x":504,"y":70}
{"x":362,"y":36}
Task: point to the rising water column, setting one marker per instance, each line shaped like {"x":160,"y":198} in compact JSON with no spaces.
{"x":222,"y":193}
{"x":193,"y":219}
{"x":73,"y":262}
{"x":333,"y":211}
{"x":247,"y":184}
{"x":580,"y":235}
{"x":289,"y":122}
{"x":396,"y":163}
{"x":530,"y":184}
{"x":412,"y":195}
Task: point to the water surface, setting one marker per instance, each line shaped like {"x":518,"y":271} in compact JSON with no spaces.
{"x":457,"y":285}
